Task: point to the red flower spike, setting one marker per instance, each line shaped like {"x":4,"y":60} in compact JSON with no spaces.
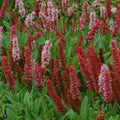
{"x":104,"y":28}
{"x":116,"y":70}
{"x":55,"y":98}
{"x":86,"y":70}
{"x":116,"y":27}
{"x":56,"y":77}
{"x":108,"y":9}
{"x":74,"y":83}
{"x":94,"y":63}
{"x":28,"y":67}
{"x":101,"y":116}
{"x":93,"y":31}
{"x":38,"y":77}
{"x":37,"y":5}
{"x":7,"y":72}
{"x":4,"y":9}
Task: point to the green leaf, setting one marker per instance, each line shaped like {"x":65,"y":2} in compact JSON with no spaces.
{"x":7,"y":25}
{"x":84,"y":111}
{"x":11,"y":115}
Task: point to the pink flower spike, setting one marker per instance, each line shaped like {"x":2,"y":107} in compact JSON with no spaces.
{"x":102,"y":11}
{"x":30,"y":17}
{"x":46,"y":53}
{"x":92,"y":19}
{"x":82,"y":21}
{"x":85,"y":6}
{"x":95,"y":3}
{"x":20,"y":5}
{"x":105,"y":83}
{"x":14,"y":44}
{"x":37,"y":74}
{"x":111,"y":24}
{"x":15,"y":50}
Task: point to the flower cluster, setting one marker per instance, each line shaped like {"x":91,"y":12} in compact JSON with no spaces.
{"x":92,"y":19}
{"x":30,"y":17}
{"x":4,"y":8}
{"x":48,"y":15}
{"x":115,"y":29}
{"x":64,"y":5}
{"x":116,"y":57}
{"x":108,"y":9}
{"x":92,"y":32}
{"x":100,"y":116}
{"x":116,"y":70}
{"x":95,"y":4}
{"x":15,"y":50}
{"x":20,"y":5}
{"x":7,"y":72}
{"x":55,"y":15}
{"x":28,"y":71}
{"x":14,"y":44}
{"x":105,"y":83}
{"x":85,"y":6}
{"x":102,"y":11}
{"x":37,"y":5}
{"x":94,"y":64}
{"x":74,"y":82}
{"x":104,"y":28}
{"x":86,"y":70}
{"x":55,"y":98}
{"x":71,"y":9}
{"x":46,"y":22}
{"x":82,"y":21}
{"x":38,"y":76}
{"x":111,"y":24}
{"x":35,"y":26}
{"x":46,"y":53}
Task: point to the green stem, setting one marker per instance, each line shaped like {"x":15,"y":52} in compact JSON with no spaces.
{"x":100,"y":40}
